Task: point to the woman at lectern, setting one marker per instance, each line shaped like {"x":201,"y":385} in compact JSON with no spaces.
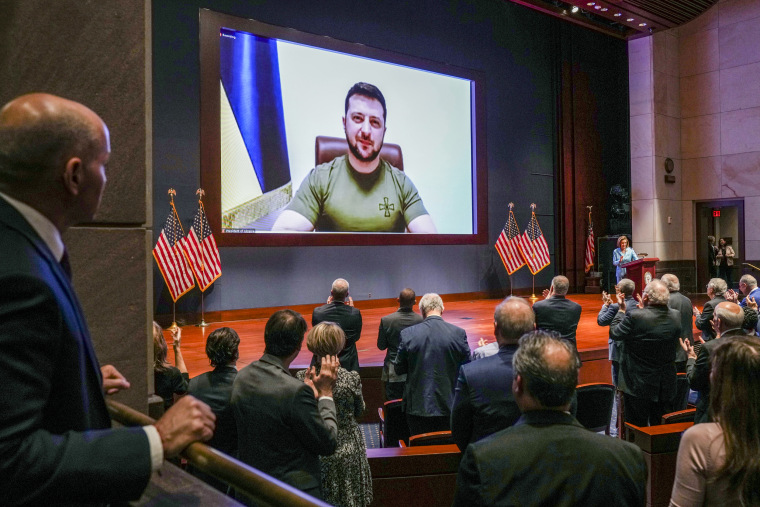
{"x":622,"y":255}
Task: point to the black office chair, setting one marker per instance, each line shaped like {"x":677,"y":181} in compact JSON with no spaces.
{"x":393,"y":425}
{"x":595,"y":406}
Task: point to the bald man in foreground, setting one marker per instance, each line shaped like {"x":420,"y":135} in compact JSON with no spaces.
{"x":547,"y":457}
{"x":56,"y":441}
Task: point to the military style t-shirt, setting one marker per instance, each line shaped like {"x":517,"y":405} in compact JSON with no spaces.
{"x":335,"y":197}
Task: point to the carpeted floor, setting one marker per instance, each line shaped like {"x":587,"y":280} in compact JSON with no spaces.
{"x":371,"y":434}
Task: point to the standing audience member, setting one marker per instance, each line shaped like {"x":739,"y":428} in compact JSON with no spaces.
{"x":716,"y":291}
{"x":284,"y":425}
{"x":389,"y":336}
{"x":718,"y":461}
{"x":556,"y":312}
{"x":712,"y":261}
{"x":621,"y":256}
{"x":727,"y":321}
{"x":748,"y":286}
{"x":56,"y":441}
{"x":346,"y":479}
{"x":547,"y":457}
{"x":430,"y":353}
{"x":725,"y":258}
{"x":647,"y":368}
{"x":168,"y":380}
{"x":483,"y":400}
{"x":610,"y":315}
{"x":215,"y":389}
{"x":340,"y":309}
{"x":683,"y":306}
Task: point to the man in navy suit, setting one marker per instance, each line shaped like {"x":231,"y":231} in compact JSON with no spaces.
{"x":389,"y":336}
{"x":340,"y":309}
{"x":483,"y":400}
{"x":56,"y":440}
{"x":556,"y":312}
{"x":547,"y":457}
{"x":430,"y":353}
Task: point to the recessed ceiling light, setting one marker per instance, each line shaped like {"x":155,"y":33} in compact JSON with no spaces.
{"x":590,"y":4}
{"x":618,"y":14}
{"x":598,"y":7}
{"x":642,"y":24}
{"x":629,"y":19}
{"x":604,"y":9}
{"x":574,"y":9}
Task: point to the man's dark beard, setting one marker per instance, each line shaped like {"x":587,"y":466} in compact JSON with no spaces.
{"x":355,"y":150}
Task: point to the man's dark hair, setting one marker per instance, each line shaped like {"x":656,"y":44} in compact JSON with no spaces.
{"x":222,"y":346}
{"x":29,"y":153}
{"x":368,"y":90}
{"x":406,"y":298}
{"x":284,"y":333}
{"x":553,"y":384}
{"x":750,"y":319}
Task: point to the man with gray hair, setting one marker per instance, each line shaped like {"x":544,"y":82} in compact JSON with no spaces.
{"x":556,"y":312}
{"x":430,"y":353}
{"x":647,"y":367}
{"x":340,"y":309}
{"x":727,"y":321}
{"x":716,"y":291}
{"x":483,"y":401}
{"x":547,"y":457}
{"x":683,"y":306}
{"x":748,"y":286}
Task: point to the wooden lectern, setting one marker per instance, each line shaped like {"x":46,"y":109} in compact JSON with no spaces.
{"x":641,"y":272}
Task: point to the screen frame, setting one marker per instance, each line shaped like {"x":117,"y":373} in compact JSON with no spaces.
{"x":211,"y":23}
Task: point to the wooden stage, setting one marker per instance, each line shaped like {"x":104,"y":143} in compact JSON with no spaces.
{"x":474,"y":316}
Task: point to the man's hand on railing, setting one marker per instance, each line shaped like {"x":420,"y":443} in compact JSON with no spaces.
{"x":187,"y":421}
{"x":113,"y":381}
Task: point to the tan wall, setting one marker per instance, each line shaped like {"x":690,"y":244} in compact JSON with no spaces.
{"x":695,"y":97}
{"x":94,"y":51}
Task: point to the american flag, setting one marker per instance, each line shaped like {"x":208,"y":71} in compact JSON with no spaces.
{"x":507,"y":245}
{"x":171,"y":262}
{"x":590,"y":250}
{"x":200,"y":247}
{"x":533,"y":246}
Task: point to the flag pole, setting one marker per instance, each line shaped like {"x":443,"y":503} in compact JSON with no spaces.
{"x":200,"y":193}
{"x":533,"y":292}
{"x":172,"y":193}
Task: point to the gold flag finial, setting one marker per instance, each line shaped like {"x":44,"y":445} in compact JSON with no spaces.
{"x":200,"y":193}
{"x":511,"y":205}
{"x":533,"y":206}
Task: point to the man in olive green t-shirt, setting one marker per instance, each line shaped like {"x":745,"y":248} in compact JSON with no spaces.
{"x":358,"y":191}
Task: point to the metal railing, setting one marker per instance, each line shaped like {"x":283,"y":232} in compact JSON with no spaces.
{"x":263,"y":489}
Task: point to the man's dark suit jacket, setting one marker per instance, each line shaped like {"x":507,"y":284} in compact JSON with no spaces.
{"x":704,"y":321}
{"x":431,"y":353}
{"x":281,"y":428}
{"x":389,"y":334}
{"x":548,"y":459}
{"x":559,"y":314}
{"x":214,"y":388}
{"x":683,"y":306}
{"x":698,"y":372}
{"x":650,"y":336}
{"x":606,"y":317}
{"x":483,"y":400}
{"x":56,"y":441}
{"x":350,"y":321}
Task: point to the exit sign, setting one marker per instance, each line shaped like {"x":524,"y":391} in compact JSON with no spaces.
{"x":716,"y":212}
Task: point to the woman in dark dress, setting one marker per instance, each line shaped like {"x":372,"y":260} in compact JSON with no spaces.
{"x":168,"y":379}
{"x":346,"y":479}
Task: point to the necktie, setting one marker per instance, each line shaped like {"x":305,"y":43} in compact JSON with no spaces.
{"x":65,"y":263}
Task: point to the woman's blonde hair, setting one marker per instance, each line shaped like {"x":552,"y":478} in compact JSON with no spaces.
{"x":326,"y":339}
{"x":621,"y":238}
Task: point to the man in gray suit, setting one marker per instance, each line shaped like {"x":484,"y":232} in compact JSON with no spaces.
{"x":716,"y":291}
{"x":389,"y":336}
{"x":430,"y":353}
{"x":283,"y":424}
{"x":682,"y":304}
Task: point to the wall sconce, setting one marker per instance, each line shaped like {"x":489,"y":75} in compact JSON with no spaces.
{"x":669,"y":166}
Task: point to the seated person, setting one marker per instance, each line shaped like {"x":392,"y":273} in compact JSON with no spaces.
{"x":215,"y":388}
{"x":346,"y":478}
{"x":358,"y":191}
{"x":168,"y":380}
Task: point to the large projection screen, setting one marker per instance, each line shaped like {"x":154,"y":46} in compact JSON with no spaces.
{"x":269,"y":93}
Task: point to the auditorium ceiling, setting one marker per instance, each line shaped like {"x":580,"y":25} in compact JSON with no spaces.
{"x":624,"y":19}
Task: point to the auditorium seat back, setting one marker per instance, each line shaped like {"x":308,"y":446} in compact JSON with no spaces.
{"x":393,"y":425}
{"x":595,"y":406}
